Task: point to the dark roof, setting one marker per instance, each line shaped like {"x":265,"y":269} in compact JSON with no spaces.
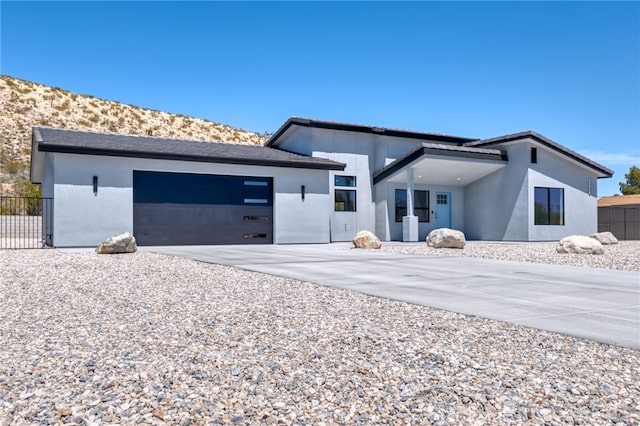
{"x":435,"y":137}
{"x":438,"y":149}
{"x":546,"y":142}
{"x":112,"y":144}
{"x":321,"y":124}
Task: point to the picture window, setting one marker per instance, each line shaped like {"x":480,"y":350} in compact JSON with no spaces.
{"x":420,"y":204}
{"x":548,"y":206}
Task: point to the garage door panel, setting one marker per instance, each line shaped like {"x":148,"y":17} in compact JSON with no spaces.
{"x":232,"y":209}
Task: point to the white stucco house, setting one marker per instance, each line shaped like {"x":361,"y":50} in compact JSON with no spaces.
{"x":313,"y":182}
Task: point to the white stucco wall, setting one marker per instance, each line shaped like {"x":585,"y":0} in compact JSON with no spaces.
{"x":498,"y":203}
{"x":580,"y":201}
{"x":363,"y":154}
{"x":356,"y":151}
{"x":84,"y":219}
{"x":497,"y":207}
{"x":500,"y":206}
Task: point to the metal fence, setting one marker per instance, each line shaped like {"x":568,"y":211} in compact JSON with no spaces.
{"x":622,"y":221}
{"x":25,"y":222}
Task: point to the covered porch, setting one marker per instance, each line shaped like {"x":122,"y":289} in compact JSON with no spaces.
{"x":424,"y":190}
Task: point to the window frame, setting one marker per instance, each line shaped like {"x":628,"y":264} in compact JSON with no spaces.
{"x":545,"y":216}
{"x":349,"y":181}
{"x":347,"y":203}
{"x":345,"y":184}
{"x":425,"y":210}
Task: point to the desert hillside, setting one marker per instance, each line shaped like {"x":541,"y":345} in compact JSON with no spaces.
{"x":24,"y":104}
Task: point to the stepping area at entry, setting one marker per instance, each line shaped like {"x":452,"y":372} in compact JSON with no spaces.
{"x":596,"y":304}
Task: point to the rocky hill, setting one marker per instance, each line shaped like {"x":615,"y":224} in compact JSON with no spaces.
{"x":24,"y":104}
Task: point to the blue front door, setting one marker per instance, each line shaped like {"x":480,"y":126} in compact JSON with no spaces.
{"x":443,"y":210}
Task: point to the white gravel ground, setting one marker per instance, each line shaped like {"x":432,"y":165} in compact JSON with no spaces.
{"x":624,"y":255}
{"x":143,"y":338}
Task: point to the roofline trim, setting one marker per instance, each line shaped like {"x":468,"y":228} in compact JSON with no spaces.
{"x":548,"y":143}
{"x":36,"y":139}
{"x":194,"y":158}
{"x":321,"y":124}
{"x":403,"y":162}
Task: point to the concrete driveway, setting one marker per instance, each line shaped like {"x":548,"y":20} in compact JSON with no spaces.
{"x":596,"y":304}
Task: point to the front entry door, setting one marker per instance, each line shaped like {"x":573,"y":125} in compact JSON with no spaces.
{"x":443,"y":210}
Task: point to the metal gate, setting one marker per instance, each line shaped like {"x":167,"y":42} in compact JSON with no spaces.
{"x":26,"y":222}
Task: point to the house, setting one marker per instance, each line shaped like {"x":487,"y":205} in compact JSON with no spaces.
{"x":620,"y":215}
{"x":313,"y":182}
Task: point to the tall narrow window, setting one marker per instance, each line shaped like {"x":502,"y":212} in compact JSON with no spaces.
{"x":344,"y":199}
{"x":548,"y":206}
{"x":534,"y":155}
{"x":420,"y":204}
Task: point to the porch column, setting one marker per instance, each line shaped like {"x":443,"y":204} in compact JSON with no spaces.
{"x":409,"y":222}
{"x":409,"y":191}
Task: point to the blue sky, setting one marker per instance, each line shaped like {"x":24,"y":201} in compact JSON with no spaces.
{"x":570,"y":71}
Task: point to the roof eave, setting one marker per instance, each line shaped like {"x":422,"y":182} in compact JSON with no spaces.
{"x":36,"y":163}
{"x":306,"y":122}
{"x":328,"y":165}
{"x":602,"y":170}
{"x":405,"y":161}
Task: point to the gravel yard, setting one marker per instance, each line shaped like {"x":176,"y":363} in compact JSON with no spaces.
{"x":144,"y":338}
{"x":624,"y":256}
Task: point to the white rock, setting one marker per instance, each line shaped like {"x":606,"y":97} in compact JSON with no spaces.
{"x":580,"y":244}
{"x":366,"y":240}
{"x":605,"y":238}
{"x":121,"y":243}
{"x":447,"y":238}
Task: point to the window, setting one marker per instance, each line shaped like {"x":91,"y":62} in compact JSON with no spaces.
{"x":256,"y":183}
{"x":345,"y":200}
{"x":254,"y":235}
{"x":420,"y":204}
{"x":534,"y":155}
{"x":549,"y":206}
{"x":345,"y":181}
{"x":256,"y":218}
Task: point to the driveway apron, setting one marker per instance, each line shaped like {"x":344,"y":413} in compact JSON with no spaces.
{"x":596,"y":304}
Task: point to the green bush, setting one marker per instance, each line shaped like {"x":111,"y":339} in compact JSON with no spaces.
{"x":33,"y":195}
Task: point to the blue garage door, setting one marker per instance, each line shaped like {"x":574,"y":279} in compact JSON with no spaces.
{"x":196,"y":209}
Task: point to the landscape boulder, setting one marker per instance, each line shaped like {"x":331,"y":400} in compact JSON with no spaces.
{"x":366,"y":240}
{"x":580,"y":244}
{"x":605,"y":238}
{"x":446,"y":238}
{"x":121,"y":243}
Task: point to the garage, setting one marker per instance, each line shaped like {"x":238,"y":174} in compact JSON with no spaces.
{"x":201,"y":209}
{"x":179,"y":192}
